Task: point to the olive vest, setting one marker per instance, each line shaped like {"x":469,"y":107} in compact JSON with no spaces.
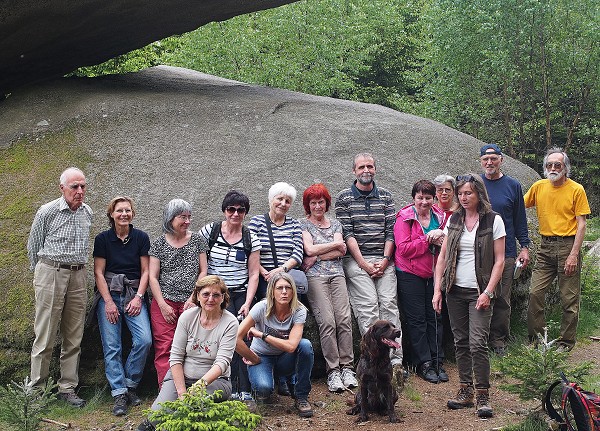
{"x":484,"y":249}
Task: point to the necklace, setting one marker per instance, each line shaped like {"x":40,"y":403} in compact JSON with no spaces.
{"x":473,"y":223}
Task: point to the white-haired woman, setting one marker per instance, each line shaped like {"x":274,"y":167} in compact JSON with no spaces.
{"x":177,"y":261}
{"x":445,"y":187}
{"x":287,"y":235}
{"x":287,"y":238}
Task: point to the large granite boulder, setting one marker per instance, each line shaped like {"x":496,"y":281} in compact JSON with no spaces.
{"x":168,"y":132}
{"x":46,"y":39}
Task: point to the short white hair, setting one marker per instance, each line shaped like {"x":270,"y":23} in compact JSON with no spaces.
{"x":282,"y":188}
{"x":68,"y":172}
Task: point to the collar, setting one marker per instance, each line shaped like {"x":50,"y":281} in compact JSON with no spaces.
{"x":112,"y":234}
{"x":357,"y":194}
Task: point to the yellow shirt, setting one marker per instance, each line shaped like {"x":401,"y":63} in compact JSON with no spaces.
{"x":557,"y":207}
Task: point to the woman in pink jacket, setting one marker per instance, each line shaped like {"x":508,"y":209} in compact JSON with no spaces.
{"x":418,"y":237}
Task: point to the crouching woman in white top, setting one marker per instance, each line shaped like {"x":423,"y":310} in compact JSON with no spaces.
{"x":203,"y":346}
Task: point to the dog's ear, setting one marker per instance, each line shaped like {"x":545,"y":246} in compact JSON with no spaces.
{"x":368,"y":344}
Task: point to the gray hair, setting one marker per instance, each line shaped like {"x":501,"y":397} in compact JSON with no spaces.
{"x":67,"y":173}
{"x":566,"y":161}
{"x":366,"y":156}
{"x":172,"y":210}
{"x":444,"y":178}
{"x":282,"y":188}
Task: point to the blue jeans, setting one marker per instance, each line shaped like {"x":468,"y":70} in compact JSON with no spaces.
{"x":119,"y":376}
{"x":285,"y":364}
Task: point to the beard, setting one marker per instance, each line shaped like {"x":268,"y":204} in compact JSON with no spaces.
{"x":554,"y":176}
{"x":365,"y":179}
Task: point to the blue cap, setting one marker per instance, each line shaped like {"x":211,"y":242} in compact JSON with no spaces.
{"x":485,"y":149}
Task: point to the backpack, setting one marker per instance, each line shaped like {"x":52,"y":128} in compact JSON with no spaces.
{"x":216,"y":231}
{"x":581,"y":409}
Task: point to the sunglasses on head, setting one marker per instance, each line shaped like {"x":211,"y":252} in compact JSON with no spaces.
{"x":240,"y":210}
{"x":466,"y":178}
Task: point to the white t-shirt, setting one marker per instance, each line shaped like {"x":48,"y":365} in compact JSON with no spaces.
{"x":465,"y":263}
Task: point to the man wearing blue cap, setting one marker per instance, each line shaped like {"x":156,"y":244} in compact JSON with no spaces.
{"x":506,"y":197}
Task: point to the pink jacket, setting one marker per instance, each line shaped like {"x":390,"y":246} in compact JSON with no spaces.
{"x":412,"y":249}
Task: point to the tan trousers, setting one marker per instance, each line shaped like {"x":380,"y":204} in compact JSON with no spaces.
{"x":550,"y":264}
{"x":60,"y":303}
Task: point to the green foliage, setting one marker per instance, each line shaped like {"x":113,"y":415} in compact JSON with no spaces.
{"x":532,"y":423}
{"x":592,"y":229}
{"x":535,"y":367}
{"x":197,"y":410}
{"x":590,"y":283}
{"x":135,"y":60}
{"x":22,"y":404}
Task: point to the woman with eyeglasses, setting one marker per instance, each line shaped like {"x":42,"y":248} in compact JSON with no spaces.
{"x":177,"y":261}
{"x":469,"y":269}
{"x":121,"y":274}
{"x":234,"y":255}
{"x":445,"y":186}
{"x":275,"y":326}
{"x":203,"y":344}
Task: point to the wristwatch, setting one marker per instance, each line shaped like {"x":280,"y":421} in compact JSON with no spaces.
{"x":389,"y":258}
{"x":139,"y":296}
{"x":285,"y":268}
{"x":489,"y":294}
{"x":264,"y":336}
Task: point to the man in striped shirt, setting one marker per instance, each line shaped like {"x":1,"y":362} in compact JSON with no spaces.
{"x":58,"y":250}
{"x":367,"y":215}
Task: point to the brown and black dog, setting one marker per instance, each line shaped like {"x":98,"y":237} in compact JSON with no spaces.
{"x":374,"y":372}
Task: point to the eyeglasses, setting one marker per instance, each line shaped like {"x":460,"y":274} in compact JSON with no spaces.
{"x":555,"y":165}
{"x":239,"y":210}
{"x":282,"y":288}
{"x":442,"y":191}
{"x":77,"y":186}
{"x":466,"y":178}
{"x":184,"y":217}
{"x":206,"y":295}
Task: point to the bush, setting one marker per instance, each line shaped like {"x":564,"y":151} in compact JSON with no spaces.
{"x":535,"y":367}
{"x":197,"y":410}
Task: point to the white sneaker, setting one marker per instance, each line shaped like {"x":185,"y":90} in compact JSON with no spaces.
{"x":349,"y":378}
{"x":334,"y":382}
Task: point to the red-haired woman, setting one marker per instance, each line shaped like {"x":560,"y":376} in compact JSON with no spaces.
{"x":327,"y":292}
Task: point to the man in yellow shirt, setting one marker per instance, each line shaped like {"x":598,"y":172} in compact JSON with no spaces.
{"x":561,"y":206}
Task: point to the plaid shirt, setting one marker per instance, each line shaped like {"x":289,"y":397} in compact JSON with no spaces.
{"x":368,"y":218}
{"x":59,"y":234}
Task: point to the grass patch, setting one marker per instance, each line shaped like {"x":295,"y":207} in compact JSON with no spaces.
{"x":412,"y":394}
{"x":533,"y":423}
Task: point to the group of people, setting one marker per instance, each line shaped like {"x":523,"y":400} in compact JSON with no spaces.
{"x":225,"y":310}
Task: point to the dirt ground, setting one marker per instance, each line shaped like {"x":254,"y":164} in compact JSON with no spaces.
{"x":421,"y":407}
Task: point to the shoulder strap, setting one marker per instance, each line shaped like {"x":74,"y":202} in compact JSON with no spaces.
{"x":562,"y":426}
{"x":273,"y":250}
{"x":246,"y":240}
{"x":214,"y":234}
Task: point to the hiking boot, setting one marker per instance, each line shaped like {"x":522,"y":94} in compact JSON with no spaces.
{"x":427,"y":373}
{"x":133,"y":398}
{"x":304,"y":408}
{"x":484,"y":410}
{"x":464,"y":397}
{"x":72,"y":399}
{"x":349,"y":378}
{"x":441,"y":372}
{"x":146,"y":426}
{"x":120,"y":407}
{"x":334,"y":382}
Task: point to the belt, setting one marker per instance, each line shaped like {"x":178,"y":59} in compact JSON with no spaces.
{"x":556,"y":238}
{"x":70,"y":267}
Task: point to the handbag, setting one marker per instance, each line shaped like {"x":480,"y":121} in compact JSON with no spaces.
{"x":297,"y":275}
